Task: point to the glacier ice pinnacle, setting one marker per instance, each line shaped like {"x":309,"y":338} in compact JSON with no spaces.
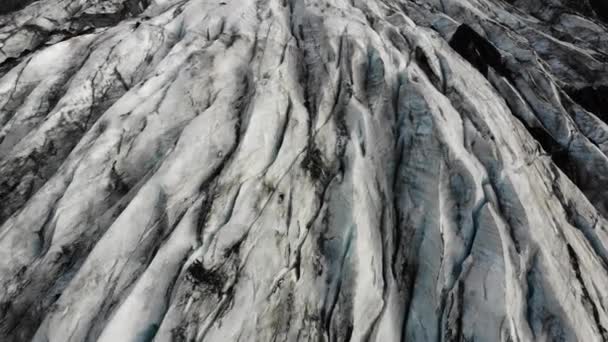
{"x":303,"y":170}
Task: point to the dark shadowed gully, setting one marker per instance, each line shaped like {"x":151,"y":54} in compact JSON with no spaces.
{"x":8,"y":6}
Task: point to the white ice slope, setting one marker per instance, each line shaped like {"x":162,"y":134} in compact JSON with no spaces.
{"x":303,"y":170}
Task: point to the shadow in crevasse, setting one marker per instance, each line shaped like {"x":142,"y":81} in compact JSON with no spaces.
{"x":600,"y":7}
{"x":478,"y":51}
{"x":8,"y":6}
{"x":593,"y":98}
